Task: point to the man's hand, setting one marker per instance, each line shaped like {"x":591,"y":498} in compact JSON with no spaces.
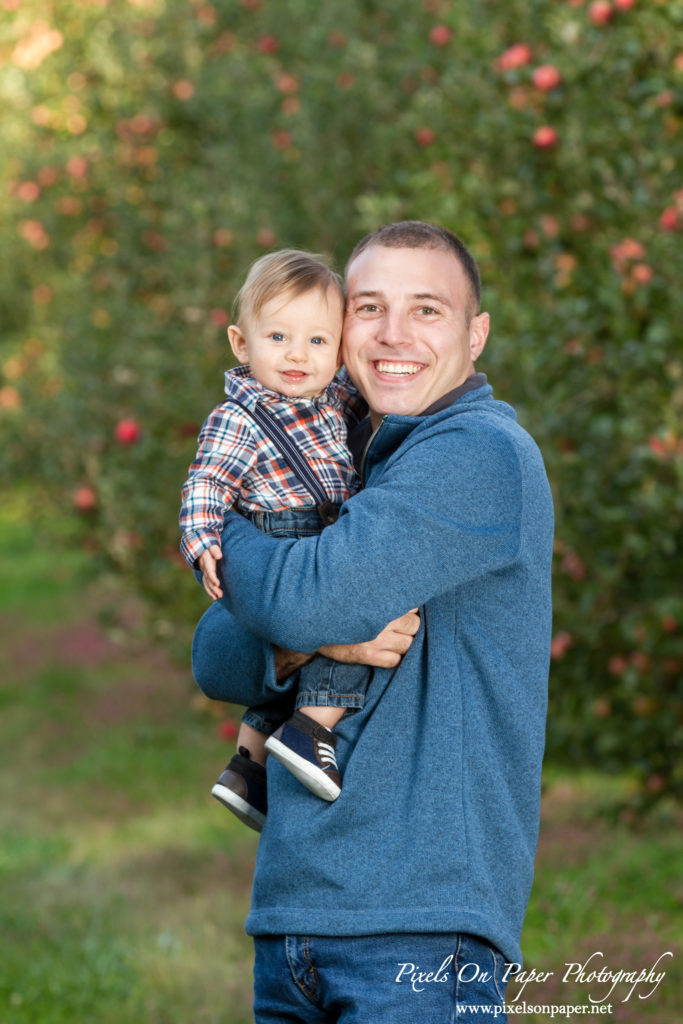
{"x":207,"y":563}
{"x":385,"y":651}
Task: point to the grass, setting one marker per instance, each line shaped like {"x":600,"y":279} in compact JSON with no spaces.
{"x":124,"y":887}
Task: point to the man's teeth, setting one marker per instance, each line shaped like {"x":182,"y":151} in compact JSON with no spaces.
{"x":398,"y":369}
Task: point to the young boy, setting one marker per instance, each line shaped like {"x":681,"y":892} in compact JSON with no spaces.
{"x":287,"y":337}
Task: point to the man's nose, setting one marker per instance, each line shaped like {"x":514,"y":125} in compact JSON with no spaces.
{"x":395,"y":328}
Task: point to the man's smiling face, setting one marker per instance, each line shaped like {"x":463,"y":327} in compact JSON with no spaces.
{"x":408,"y":336}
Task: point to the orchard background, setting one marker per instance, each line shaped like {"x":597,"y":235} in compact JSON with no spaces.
{"x":153,"y":148}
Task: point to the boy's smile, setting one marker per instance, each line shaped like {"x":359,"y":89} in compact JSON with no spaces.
{"x":292,"y":343}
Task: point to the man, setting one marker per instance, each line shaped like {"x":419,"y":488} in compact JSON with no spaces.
{"x":404,"y":899}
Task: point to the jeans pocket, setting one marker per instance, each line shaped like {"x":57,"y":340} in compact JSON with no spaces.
{"x":498,"y":972}
{"x":479,"y":971}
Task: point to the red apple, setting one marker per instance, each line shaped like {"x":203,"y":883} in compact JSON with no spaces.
{"x":268,"y":45}
{"x":219,"y":317}
{"x":282,"y":140}
{"x":425,"y":136}
{"x":600,"y":12}
{"x":545,"y":137}
{"x":602,"y":708}
{"x":514,"y":57}
{"x":560,"y":644}
{"x":617,"y":665}
{"x":440,"y":35}
{"x":670,"y":220}
{"x":84,"y":499}
{"x":128,"y":431}
{"x":227,"y":730}
{"x":266,"y":237}
{"x":642,"y":273}
{"x":546,"y":77}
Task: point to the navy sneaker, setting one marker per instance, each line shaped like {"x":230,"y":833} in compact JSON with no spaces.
{"x":307,"y":750}
{"x":242,"y":789}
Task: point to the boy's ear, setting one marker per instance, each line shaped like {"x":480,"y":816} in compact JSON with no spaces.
{"x":238,"y":343}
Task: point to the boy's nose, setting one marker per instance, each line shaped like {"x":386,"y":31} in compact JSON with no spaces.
{"x":297,"y":353}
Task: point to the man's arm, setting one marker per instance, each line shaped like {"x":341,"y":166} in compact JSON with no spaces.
{"x":231,"y":664}
{"x":440,"y":514}
{"x":384,"y":651}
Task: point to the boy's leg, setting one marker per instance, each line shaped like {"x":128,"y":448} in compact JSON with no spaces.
{"x":242,"y":786}
{"x":254,"y":741}
{"x":327,"y":716}
{"x":306,"y":744}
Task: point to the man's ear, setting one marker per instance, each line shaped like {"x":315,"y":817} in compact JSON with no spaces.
{"x":479,"y":332}
{"x":238,"y":343}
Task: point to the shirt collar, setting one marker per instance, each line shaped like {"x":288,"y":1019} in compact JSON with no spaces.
{"x":359,"y":437}
{"x":477,"y":380}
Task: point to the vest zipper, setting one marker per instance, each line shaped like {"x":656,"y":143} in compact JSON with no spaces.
{"x":373,"y":435}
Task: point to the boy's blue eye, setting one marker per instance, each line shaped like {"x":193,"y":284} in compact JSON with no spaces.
{"x":277,"y":336}
{"x":317,"y":341}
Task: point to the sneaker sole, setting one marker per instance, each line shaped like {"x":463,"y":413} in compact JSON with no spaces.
{"x":311,"y":777}
{"x":247,"y":814}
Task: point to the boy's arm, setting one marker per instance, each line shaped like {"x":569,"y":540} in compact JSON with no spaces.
{"x":226,"y":451}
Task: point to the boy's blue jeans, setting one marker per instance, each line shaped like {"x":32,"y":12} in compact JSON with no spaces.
{"x":321,"y":681}
{"x":377,"y":979}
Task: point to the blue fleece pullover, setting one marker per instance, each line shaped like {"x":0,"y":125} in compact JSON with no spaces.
{"x":436,"y":826}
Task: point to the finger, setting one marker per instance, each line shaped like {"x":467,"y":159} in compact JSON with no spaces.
{"x":401,"y":642}
{"x":214,"y":591}
{"x":408,"y":623}
{"x":211,"y":573}
{"x":215,"y":551}
{"x":386,"y":659}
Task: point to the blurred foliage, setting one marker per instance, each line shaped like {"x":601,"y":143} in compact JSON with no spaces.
{"x":153,"y":148}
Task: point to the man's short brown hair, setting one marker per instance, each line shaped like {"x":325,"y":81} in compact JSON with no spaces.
{"x":288,"y":270}
{"x":417,"y":234}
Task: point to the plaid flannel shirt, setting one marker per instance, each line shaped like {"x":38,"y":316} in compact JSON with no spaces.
{"x":237,"y":464}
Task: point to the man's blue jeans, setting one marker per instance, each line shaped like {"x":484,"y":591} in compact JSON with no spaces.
{"x":377,"y":979}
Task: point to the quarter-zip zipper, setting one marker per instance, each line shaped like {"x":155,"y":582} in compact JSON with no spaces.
{"x":372,"y":437}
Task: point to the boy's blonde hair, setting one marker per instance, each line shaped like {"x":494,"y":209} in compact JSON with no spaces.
{"x":289,"y":270}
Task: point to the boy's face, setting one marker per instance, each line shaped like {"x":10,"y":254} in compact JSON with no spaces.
{"x":293,"y":343}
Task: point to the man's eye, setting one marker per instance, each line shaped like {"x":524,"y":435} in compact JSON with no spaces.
{"x":369,"y":307}
{"x":427,"y":310}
